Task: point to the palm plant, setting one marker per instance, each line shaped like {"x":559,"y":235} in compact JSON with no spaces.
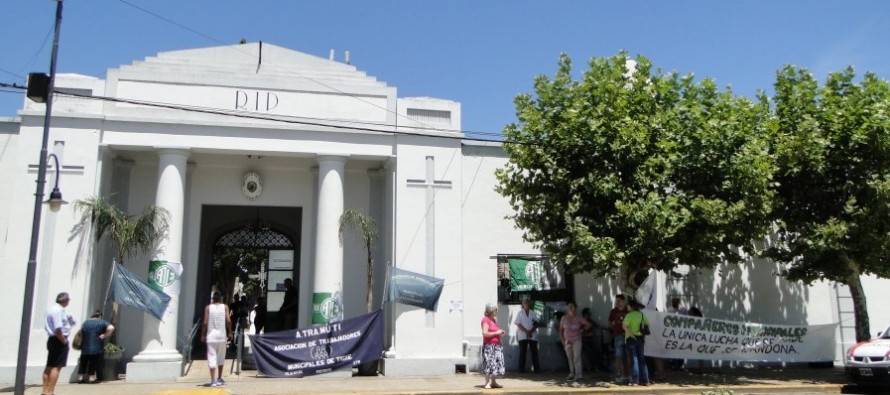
{"x":367,"y":228}
{"x":128,"y":233}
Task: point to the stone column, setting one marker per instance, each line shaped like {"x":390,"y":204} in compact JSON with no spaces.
{"x":159,"y":359}
{"x":327,"y":299}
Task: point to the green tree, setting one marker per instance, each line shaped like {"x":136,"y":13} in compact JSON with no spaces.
{"x":832,"y":147}
{"x":367,"y":228}
{"x":629,"y":168}
{"x":234,"y":265}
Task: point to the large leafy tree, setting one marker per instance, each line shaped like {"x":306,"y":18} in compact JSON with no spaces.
{"x":629,"y":168}
{"x":832,"y":146}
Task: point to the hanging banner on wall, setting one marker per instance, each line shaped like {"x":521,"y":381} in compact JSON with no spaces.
{"x":683,"y":336}
{"x":526,"y":275}
{"x":319,"y":349}
{"x":164,"y":276}
{"x":413,"y":289}
{"x":327,"y":307}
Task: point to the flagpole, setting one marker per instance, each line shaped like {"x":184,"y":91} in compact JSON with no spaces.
{"x":392,"y":307}
{"x":385,"y":295}
{"x":110,"y":279}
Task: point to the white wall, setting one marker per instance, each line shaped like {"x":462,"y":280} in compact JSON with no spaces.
{"x":412,"y":332}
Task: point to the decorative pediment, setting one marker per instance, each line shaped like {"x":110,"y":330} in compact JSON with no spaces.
{"x":257,"y":78}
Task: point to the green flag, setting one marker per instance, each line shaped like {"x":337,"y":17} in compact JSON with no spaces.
{"x":524,"y":275}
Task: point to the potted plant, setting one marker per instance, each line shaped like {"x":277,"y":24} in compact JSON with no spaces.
{"x":113,"y":356}
{"x":367,"y":228}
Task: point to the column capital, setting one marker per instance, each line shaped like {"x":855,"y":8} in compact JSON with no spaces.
{"x":322,"y":158}
{"x":179,"y":151}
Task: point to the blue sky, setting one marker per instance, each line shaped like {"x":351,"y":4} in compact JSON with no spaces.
{"x":480,"y":53}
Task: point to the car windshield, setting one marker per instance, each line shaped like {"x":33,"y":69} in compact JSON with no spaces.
{"x":886,"y":333}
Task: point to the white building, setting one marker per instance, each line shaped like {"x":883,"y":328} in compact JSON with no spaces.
{"x":322,"y":136}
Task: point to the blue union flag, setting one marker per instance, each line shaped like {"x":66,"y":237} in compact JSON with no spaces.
{"x":129,"y":290}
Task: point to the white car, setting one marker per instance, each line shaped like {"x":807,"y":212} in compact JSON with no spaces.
{"x":868,"y":362}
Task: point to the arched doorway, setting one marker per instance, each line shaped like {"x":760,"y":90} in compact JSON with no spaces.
{"x":236,"y":245}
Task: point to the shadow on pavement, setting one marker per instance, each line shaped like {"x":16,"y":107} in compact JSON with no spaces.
{"x":726,"y":376}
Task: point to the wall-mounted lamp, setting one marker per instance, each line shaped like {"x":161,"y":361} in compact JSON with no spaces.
{"x":55,"y":200}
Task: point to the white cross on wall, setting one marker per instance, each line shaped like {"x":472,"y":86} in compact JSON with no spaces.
{"x":431,"y":184}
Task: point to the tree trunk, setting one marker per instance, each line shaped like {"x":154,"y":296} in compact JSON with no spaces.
{"x":860,"y":308}
{"x":370,"y":280}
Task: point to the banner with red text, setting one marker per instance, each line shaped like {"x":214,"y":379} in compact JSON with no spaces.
{"x":683,"y":336}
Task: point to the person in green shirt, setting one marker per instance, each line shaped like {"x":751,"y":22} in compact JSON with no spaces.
{"x":635,"y":343}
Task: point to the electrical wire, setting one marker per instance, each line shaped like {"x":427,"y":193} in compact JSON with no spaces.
{"x":317,"y":122}
{"x":172,"y":22}
{"x":246,"y":115}
{"x":12,"y":74}
{"x":39,"y":50}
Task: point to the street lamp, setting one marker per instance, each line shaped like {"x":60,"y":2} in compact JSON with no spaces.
{"x":55,"y":200}
{"x":55,"y":197}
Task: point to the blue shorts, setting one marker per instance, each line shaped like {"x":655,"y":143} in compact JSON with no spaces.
{"x":618,"y":343}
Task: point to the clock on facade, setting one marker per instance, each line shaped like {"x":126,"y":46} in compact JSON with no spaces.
{"x":251,"y":185}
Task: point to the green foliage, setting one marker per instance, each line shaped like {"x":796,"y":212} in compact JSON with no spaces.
{"x":832,"y":147}
{"x":367,"y":228}
{"x":129,"y":233}
{"x":111,"y":348}
{"x":632,"y":168}
{"x":233,"y":265}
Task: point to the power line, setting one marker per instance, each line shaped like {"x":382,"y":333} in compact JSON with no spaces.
{"x":11,"y":73}
{"x":318,"y":122}
{"x":238,"y":114}
{"x":39,"y":50}
{"x":172,"y":22}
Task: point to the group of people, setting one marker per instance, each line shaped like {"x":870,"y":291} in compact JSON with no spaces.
{"x":628,"y":341}
{"x":571,"y":330}
{"x":58,"y":325}
{"x":628,"y":325}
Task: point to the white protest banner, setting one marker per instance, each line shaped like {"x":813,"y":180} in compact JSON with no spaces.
{"x":683,"y":336}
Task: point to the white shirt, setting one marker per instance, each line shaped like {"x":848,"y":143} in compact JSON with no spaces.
{"x":56,"y":318}
{"x":680,"y":311}
{"x":216,"y":325}
{"x":528,"y":322}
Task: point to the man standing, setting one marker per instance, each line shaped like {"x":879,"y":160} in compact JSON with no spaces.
{"x":676,"y":308}
{"x":288,"y":310}
{"x":58,"y":327}
{"x":616,"y":323}
{"x":527,"y":322}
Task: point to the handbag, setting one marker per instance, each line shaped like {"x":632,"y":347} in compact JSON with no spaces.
{"x":78,"y":340}
{"x":644,"y":326}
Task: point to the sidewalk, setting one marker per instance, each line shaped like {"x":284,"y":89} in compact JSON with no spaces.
{"x":739,"y":380}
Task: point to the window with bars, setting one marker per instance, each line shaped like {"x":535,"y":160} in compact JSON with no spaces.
{"x":250,"y":238}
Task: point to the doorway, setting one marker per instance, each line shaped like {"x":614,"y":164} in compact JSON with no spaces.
{"x":240,"y":255}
